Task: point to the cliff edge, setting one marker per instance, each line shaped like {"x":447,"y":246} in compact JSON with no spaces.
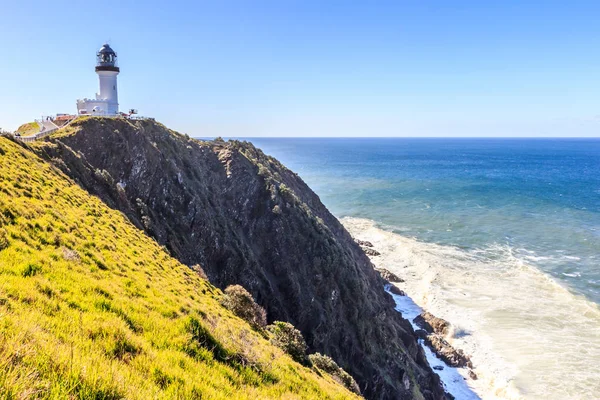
{"x":93,"y":308}
{"x":248,"y":220}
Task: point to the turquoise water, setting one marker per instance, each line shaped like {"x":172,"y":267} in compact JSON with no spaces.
{"x":538,"y":198}
{"x":501,"y":237}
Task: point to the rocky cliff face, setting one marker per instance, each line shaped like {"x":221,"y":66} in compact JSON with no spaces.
{"x":247,"y":219}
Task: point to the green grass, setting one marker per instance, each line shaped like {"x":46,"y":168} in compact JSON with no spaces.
{"x":28,"y":129}
{"x":91,"y":308}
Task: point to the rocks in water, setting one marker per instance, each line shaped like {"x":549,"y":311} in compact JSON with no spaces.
{"x":432,"y":333}
{"x":367,"y":247}
{"x":432,"y":324}
{"x":388,"y":276}
{"x":363,"y":243}
{"x":395,"y":290}
{"x":421,"y":334}
{"x":451,"y":356}
{"x":371,"y":252}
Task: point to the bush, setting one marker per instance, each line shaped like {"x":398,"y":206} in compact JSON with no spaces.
{"x":198,"y":270}
{"x":241,"y":303}
{"x":31,"y":270}
{"x":289,"y":339}
{"x":326,"y":364}
{"x":3,"y":239}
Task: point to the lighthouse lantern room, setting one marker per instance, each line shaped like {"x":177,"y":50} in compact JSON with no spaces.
{"x":106,"y":101}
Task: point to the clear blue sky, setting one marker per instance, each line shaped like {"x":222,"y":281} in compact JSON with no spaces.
{"x":314,"y":68}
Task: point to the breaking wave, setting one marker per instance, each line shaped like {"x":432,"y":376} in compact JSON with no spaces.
{"x":528,"y":336}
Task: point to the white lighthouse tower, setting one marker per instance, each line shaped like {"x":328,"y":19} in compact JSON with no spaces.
{"x":107,"y":100}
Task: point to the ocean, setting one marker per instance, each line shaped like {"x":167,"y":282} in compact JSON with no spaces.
{"x":501,"y":237}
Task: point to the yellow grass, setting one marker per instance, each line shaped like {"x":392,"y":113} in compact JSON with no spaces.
{"x":92,"y":308}
{"x":28,"y":129}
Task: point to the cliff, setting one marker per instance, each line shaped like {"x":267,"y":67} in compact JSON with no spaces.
{"x":93,"y":308}
{"x":246,"y":219}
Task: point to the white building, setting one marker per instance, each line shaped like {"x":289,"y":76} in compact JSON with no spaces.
{"x":106,"y":101}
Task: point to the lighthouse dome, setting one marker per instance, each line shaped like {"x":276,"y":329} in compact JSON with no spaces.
{"x":106,"y":59}
{"x":105,"y":49}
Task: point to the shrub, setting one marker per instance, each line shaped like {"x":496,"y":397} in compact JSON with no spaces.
{"x":241,"y":303}
{"x":31,"y":270}
{"x":326,"y":364}
{"x":289,"y":339}
{"x":198,"y":270}
{"x":263,"y":171}
{"x":3,"y":239}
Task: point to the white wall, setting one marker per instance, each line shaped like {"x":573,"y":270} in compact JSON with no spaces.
{"x":108,"y":90}
{"x":88,"y":105}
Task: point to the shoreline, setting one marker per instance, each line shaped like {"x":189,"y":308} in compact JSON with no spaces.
{"x":456,"y":380}
{"x":511,"y":319}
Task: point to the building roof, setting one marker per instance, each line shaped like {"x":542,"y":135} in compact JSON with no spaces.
{"x":105,"y":49}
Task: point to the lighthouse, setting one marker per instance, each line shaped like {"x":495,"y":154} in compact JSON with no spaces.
{"x":107,"y":99}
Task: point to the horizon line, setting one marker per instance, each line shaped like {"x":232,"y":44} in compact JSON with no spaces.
{"x":397,"y":137}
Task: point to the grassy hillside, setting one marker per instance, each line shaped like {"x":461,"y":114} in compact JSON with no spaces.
{"x":92,"y":308}
{"x":249,"y":220}
{"x":28,"y":129}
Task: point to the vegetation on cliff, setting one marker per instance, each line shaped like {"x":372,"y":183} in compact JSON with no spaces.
{"x":240,"y":302}
{"x":91,"y":307}
{"x":248,"y":220}
{"x":289,"y":339}
{"x":326,"y":364}
{"x":28,"y":128}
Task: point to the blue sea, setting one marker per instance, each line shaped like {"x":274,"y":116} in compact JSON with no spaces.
{"x":499,"y":236}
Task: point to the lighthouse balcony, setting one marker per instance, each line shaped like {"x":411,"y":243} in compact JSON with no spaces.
{"x":111,"y":68}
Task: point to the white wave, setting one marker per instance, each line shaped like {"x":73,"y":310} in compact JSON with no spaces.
{"x":528,"y":336}
{"x":455,"y":382}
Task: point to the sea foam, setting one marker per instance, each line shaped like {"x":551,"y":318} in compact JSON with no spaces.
{"x":528,"y":336}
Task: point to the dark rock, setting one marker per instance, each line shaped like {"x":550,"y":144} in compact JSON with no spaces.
{"x":438,"y":367}
{"x":451,"y":356}
{"x":472,"y":375}
{"x":364,"y":243}
{"x":406,"y":381}
{"x":388,"y":276}
{"x":371,"y":252}
{"x":395,"y":290}
{"x":248,"y":220}
{"x":432,"y":324}
{"x":421,"y":334}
